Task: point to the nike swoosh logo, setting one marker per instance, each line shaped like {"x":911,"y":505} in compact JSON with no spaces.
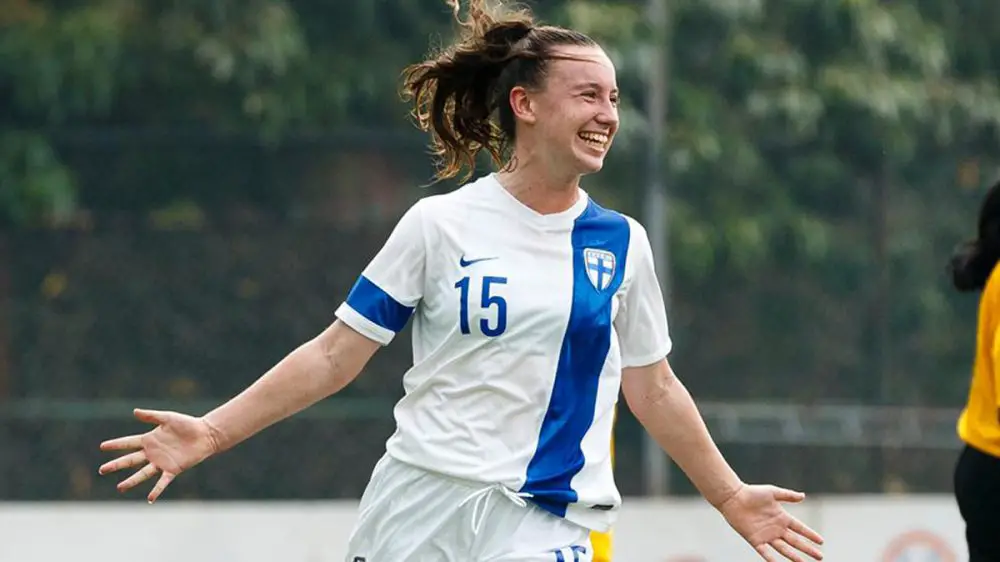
{"x":466,"y":263}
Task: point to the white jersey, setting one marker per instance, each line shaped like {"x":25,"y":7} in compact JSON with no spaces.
{"x":522,"y":325}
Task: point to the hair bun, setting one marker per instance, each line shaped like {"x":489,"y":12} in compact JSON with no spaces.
{"x":507,"y":33}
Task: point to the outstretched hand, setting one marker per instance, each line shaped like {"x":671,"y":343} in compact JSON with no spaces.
{"x":177,"y":443}
{"x":756,"y":513}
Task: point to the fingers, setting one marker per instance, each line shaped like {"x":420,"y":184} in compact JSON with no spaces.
{"x":165,"y":479}
{"x":127,"y":442}
{"x":151,"y":416}
{"x":786,"y":550}
{"x":137,"y":458}
{"x":804,"y":530}
{"x":784,"y":495}
{"x":127,"y":461}
{"x":802,"y":545}
{"x":135,"y":441}
{"x":145,"y":473}
{"x":766,"y":553}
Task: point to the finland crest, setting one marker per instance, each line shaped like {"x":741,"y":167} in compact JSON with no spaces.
{"x":600,"y":266}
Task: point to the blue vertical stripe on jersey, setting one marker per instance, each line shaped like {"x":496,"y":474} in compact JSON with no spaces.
{"x":559,"y":456}
{"x":370,"y":301}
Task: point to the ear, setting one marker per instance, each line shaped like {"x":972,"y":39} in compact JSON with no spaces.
{"x":521,"y":104}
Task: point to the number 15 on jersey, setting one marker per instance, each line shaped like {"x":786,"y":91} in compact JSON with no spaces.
{"x":488,"y":301}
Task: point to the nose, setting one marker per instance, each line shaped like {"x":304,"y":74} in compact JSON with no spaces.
{"x":608,"y":117}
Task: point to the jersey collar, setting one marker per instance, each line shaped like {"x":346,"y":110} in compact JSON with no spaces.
{"x":563,"y":220}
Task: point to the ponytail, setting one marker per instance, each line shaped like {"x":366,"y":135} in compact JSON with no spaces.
{"x":971,"y":265}
{"x":973,"y":261}
{"x":461,"y":95}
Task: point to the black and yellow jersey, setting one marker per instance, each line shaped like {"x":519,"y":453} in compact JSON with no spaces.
{"x":979,"y":423}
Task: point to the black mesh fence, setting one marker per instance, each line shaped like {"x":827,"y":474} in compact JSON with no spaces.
{"x":183,"y":281}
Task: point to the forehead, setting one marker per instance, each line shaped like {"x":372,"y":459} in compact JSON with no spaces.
{"x":577,"y":65}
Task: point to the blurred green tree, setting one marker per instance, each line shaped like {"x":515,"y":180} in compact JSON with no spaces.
{"x":823,"y":158}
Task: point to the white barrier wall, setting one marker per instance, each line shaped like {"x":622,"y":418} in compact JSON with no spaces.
{"x":857,"y":529}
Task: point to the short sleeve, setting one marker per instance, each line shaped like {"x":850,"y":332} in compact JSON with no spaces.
{"x":641,"y":321}
{"x":387,"y":291}
{"x":994,"y":352}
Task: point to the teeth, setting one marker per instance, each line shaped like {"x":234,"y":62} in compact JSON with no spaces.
{"x":596,"y":139}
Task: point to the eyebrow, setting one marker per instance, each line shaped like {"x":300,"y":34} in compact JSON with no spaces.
{"x":594,"y":85}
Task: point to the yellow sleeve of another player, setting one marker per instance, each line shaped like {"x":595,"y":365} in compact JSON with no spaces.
{"x":601,"y":542}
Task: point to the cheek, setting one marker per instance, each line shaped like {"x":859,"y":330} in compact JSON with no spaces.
{"x":561,"y":123}
{"x":554,"y":129}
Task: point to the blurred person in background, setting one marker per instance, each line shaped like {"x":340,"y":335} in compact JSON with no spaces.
{"x":532,"y":307}
{"x":977,"y":472}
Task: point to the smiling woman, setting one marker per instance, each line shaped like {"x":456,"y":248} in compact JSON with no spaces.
{"x":533,"y":308}
{"x":530,"y":95}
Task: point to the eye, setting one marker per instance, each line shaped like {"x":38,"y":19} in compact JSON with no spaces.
{"x":614,"y":100}
{"x":590,"y":95}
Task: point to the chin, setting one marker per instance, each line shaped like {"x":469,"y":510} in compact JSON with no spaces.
{"x":590,"y":165}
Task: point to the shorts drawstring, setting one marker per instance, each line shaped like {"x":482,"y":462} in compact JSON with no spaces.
{"x":482,"y":498}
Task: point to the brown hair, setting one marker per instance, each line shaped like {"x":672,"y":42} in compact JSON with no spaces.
{"x":973,"y":261}
{"x":460,"y":95}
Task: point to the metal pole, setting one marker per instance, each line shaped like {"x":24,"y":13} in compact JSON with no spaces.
{"x":657,"y":467}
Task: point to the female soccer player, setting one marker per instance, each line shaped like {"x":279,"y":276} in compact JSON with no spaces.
{"x":532,"y":307}
{"x":977,"y":472}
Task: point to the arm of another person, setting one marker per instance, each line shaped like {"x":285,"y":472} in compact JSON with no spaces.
{"x":995,"y":357}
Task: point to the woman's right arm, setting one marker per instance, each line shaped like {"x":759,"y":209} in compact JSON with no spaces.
{"x":375,"y":310}
{"x":315,"y":370}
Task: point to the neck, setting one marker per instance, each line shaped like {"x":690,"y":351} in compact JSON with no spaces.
{"x":545,"y":193}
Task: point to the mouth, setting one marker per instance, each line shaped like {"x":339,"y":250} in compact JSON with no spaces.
{"x":598,"y":141}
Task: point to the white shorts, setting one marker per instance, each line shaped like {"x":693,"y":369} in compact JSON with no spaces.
{"x":411,"y":515}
